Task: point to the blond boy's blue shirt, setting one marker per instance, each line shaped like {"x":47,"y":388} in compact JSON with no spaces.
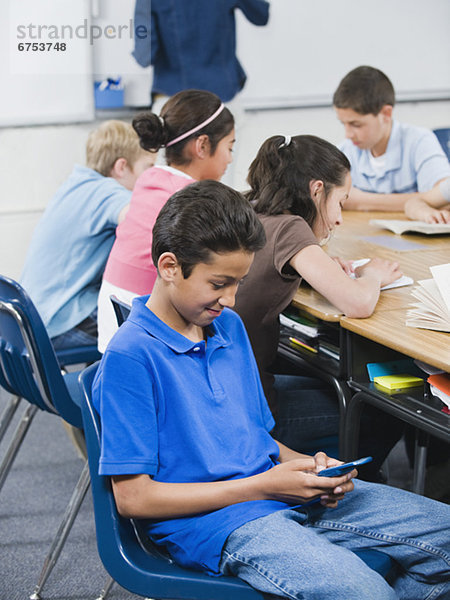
{"x":70,"y":246}
{"x":414,"y":161}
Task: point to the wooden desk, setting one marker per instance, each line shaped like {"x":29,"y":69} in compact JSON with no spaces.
{"x":387,"y":327}
{"x":383,"y":336}
{"x":348,"y":243}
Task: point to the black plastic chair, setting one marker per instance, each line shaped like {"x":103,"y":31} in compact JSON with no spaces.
{"x":443,"y":135}
{"x":29,"y":370}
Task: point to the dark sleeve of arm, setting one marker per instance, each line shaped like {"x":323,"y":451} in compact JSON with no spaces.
{"x":256,"y":11}
{"x":144,"y":39}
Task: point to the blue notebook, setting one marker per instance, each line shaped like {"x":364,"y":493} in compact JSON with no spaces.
{"x":393,"y":367}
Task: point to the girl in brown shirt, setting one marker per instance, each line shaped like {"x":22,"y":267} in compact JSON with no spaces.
{"x":298,"y":187}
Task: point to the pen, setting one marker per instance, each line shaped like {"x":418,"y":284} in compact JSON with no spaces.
{"x":297,"y":342}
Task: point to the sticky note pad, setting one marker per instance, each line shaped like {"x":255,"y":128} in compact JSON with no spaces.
{"x":398,"y":382}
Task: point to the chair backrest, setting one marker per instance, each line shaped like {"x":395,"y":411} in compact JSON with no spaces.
{"x":28,"y":364}
{"x":443,"y":135}
{"x":136,"y":564}
{"x":121,"y":309}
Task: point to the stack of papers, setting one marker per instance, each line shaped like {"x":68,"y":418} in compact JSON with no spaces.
{"x":308,"y":330}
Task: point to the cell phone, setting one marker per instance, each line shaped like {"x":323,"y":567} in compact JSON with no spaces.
{"x":345,"y":468}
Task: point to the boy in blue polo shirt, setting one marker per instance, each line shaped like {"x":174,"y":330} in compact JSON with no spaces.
{"x":390,"y":161}
{"x":185,"y":435}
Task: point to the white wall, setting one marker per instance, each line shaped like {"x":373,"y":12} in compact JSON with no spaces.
{"x":35,"y":160}
{"x":299,"y":57}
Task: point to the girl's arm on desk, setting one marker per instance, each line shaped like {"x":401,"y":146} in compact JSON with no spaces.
{"x":354,"y":297}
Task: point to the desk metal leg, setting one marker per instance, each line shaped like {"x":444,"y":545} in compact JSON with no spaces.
{"x":344,"y":395}
{"x":350,"y":437}
{"x":420,"y":462}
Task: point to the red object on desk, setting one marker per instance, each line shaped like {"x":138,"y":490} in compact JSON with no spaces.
{"x":441,"y":381}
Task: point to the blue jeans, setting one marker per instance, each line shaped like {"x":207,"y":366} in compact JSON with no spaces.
{"x":308,"y":414}
{"x":78,"y":336}
{"x":307,"y":553}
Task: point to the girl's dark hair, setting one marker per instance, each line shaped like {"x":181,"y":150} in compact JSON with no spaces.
{"x":182,"y":112}
{"x":204,"y":217}
{"x":280,"y":175}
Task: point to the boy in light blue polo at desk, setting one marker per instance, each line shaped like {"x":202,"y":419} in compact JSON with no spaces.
{"x":391,"y":161}
{"x":186,"y":436}
{"x":72,"y":241}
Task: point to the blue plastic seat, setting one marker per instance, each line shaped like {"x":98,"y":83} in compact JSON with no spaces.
{"x":29,"y":370}
{"x":443,"y":135}
{"x":121,"y":309}
{"x":134,"y":561}
{"x":78,"y":355}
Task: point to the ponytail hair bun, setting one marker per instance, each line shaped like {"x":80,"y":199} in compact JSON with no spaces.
{"x":150,"y":128}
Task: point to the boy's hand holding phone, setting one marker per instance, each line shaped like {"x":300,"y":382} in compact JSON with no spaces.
{"x":340,"y":470}
{"x":297,"y":481}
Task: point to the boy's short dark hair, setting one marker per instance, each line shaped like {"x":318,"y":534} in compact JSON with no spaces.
{"x":204,"y":217}
{"x":365,"y":90}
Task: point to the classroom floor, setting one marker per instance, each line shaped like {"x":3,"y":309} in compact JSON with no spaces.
{"x":32,"y":502}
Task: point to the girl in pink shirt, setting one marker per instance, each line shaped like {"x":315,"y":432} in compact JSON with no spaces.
{"x":197,"y":132}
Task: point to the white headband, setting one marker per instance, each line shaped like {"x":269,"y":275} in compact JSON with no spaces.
{"x":287,"y":141}
{"x":191,"y":131}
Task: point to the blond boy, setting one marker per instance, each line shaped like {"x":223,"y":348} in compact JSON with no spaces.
{"x":72,"y":241}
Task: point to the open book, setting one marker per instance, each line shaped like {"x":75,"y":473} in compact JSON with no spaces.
{"x":432,"y":309}
{"x":412,"y":226}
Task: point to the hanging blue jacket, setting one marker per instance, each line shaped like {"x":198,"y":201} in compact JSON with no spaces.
{"x":192,"y":43}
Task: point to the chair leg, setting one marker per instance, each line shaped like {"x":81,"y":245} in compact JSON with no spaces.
{"x":16,"y":442}
{"x":66,"y":525}
{"x":106,"y":589}
{"x":8,"y":414}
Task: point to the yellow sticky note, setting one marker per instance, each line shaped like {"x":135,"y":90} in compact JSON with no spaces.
{"x":398,"y":382}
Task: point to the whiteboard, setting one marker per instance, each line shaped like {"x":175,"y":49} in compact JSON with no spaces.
{"x":112,"y":57}
{"x":307,"y":47}
{"x":45,"y":83}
